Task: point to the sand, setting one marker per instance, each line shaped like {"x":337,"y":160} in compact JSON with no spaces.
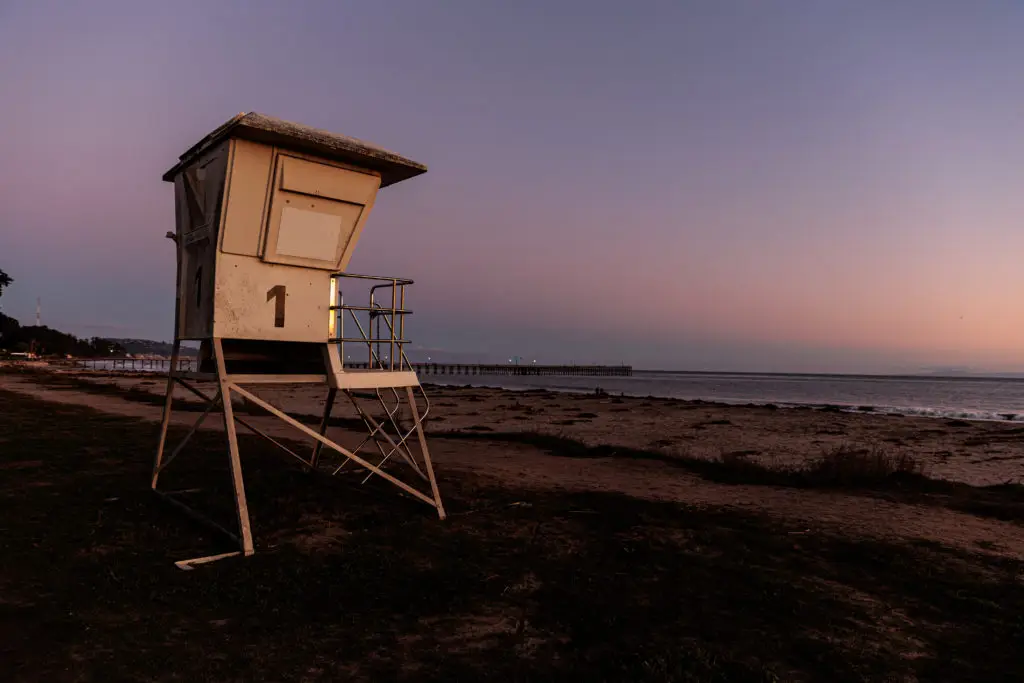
{"x":979,"y":453}
{"x":976,"y":453}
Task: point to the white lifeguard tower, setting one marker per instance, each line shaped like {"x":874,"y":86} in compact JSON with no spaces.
{"x":268,"y":214}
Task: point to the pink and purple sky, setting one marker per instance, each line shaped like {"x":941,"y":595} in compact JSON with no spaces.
{"x":711,"y":185}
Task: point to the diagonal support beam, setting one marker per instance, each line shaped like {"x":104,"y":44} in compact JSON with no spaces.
{"x":330,"y":444}
{"x":211,"y":404}
{"x":248,"y":426}
{"x":197,"y":516}
{"x":272,"y":440}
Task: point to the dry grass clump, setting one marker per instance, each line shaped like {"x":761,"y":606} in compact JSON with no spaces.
{"x":852,"y":466}
{"x":845,"y":466}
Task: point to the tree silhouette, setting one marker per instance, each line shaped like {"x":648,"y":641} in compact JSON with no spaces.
{"x":5,"y":281}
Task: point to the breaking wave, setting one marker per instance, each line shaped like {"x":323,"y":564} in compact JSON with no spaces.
{"x":951,"y":413}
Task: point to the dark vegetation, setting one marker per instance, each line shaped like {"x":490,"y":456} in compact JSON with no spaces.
{"x":46,"y":341}
{"x":41,"y":340}
{"x":357,"y":583}
{"x":152,"y":348}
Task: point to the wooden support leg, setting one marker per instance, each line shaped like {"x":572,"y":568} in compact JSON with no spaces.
{"x":426,"y":453}
{"x":166,"y":419}
{"x":241,"y":506}
{"x":328,"y":406}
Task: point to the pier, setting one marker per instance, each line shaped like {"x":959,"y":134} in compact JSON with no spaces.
{"x":503,"y":369}
{"x":510,"y":369}
{"x":126,"y":364}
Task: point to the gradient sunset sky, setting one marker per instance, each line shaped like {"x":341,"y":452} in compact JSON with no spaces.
{"x":717,"y":185}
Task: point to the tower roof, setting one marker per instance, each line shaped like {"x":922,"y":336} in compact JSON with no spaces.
{"x":299,"y":138}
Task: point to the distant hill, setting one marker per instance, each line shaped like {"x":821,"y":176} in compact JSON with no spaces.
{"x":45,"y":341}
{"x":148,"y":347}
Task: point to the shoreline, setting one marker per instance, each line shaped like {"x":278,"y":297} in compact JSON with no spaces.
{"x":1016,"y":377}
{"x":863,"y":408}
{"x":857,"y":408}
{"x":974,"y":452}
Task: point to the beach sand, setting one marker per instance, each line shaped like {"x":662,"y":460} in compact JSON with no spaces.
{"x":580,"y":532}
{"x":979,"y":453}
{"x":972,"y":453}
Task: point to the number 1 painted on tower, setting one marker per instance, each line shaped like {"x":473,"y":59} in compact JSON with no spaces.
{"x":278,"y":293}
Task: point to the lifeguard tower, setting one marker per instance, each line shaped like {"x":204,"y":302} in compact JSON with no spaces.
{"x":268,"y":214}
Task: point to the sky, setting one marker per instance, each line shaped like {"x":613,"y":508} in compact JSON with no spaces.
{"x":807,"y":186}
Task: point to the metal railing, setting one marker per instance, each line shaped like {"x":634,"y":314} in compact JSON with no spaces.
{"x":380,"y":323}
{"x":381,"y":329}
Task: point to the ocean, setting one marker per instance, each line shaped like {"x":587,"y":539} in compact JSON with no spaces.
{"x":972,"y":398}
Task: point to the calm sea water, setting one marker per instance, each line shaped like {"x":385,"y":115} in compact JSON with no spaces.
{"x":969,"y":398}
{"x":963,"y":397}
